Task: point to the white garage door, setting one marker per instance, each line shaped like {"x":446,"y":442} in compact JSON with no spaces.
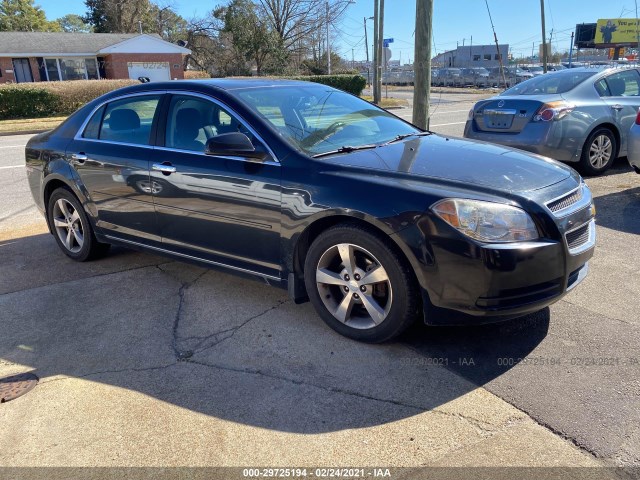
{"x":156,"y":71}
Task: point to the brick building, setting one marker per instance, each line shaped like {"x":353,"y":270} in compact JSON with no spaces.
{"x":52,"y":56}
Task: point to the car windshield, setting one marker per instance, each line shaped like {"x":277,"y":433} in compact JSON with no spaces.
{"x":318,"y":119}
{"x":551,"y":83}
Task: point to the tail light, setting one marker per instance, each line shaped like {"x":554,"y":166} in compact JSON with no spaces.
{"x":638,"y":117}
{"x":553,"y":111}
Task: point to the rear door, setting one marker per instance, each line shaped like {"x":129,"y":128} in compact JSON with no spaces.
{"x":622,"y":96}
{"x":111,"y":156}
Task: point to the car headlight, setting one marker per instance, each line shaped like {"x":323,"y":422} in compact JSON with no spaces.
{"x":486,"y":221}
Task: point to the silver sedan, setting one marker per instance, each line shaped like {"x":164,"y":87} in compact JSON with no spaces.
{"x":580,"y":115}
{"x":633,"y":152}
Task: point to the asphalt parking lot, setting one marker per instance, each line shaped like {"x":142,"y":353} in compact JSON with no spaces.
{"x":147,"y":361}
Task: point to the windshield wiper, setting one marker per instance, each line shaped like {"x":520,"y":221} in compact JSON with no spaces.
{"x":407,"y":135}
{"x":346,"y":149}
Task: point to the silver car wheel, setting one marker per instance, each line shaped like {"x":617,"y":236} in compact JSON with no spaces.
{"x":354,"y":286}
{"x":600,"y":151}
{"x":68,"y":225}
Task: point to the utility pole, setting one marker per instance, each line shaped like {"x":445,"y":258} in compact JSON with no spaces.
{"x":366,"y":49}
{"x":571,"y":49}
{"x":328,"y":43}
{"x":381,"y":61}
{"x":422,"y":63}
{"x":376,"y":58}
{"x":544,"y":39}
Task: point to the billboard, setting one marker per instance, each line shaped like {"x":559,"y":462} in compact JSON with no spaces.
{"x":616,"y":31}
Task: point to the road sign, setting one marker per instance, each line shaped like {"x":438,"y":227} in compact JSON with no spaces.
{"x":386,"y":53}
{"x":386,"y":42}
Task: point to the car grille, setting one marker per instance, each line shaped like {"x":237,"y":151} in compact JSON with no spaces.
{"x":578,"y":237}
{"x":566,"y":201}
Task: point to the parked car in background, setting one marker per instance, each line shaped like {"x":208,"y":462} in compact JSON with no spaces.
{"x":316,"y":191}
{"x":554,"y":67}
{"x":580,"y":115}
{"x":512,"y":76}
{"x":535,"y":70}
{"x":633,"y":151}
{"x":476,"y":76}
{"x":451,"y":77}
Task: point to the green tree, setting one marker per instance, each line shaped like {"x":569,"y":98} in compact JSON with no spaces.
{"x":117,"y":16}
{"x":250,"y":33}
{"x":74,"y":23}
{"x":24,"y":16}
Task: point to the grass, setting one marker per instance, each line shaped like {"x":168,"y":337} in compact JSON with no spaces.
{"x":387,"y":102}
{"x":29,"y":125}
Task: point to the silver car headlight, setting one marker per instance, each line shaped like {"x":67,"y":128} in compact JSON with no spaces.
{"x":487,"y":221}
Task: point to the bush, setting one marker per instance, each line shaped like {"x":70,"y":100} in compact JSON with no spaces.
{"x":349,"y":83}
{"x":52,"y":99}
{"x":194,"y":74}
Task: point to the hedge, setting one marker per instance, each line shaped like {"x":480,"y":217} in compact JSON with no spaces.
{"x":52,"y":99}
{"x":349,"y":83}
{"x":57,"y":99}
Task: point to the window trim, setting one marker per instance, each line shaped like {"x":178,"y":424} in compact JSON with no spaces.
{"x":163,"y":107}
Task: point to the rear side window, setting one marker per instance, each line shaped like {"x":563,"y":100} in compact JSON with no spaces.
{"x":551,"y":83}
{"x":624,"y":84}
{"x":92,"y":129}
{"x":129,"y":120}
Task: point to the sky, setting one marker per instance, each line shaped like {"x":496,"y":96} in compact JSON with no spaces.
{"x":517,"y":22}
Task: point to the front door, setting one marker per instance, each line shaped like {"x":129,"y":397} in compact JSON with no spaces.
{"x":111,"y":157}
{"x":222,"y":209}
{"x":22,"y":70}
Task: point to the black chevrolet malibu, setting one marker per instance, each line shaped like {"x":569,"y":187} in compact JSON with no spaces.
{"x":308,"y":188}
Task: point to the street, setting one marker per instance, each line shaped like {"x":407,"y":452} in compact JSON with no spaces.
{"x":147,"y":361}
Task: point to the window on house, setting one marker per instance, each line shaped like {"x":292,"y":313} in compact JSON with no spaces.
{"x":71,"y":68}
{"x":487,"y":56}
{"x":476,"y":58}
{"x":496,"y":57}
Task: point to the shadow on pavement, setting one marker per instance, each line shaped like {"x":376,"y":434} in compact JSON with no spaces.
{"x":620,"y":210}
{"x":229,"y":347}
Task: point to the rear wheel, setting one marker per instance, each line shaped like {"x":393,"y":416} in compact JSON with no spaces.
{"x":599,"y":152}
{"x":359,"y":286}
{"x":71,"y":227}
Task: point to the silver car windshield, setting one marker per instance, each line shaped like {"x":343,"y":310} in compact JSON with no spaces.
{"x":550,"y":83}
{"x":318,"y":119}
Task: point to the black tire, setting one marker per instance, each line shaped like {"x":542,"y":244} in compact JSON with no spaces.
{"x":593,"y":165}
{"x":83,"y":243}
{"x":397,"y":295}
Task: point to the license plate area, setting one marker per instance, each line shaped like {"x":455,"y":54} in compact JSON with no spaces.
{"x":499,"y":118}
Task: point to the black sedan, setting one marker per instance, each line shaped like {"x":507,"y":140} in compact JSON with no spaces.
{"x":373,"y":220}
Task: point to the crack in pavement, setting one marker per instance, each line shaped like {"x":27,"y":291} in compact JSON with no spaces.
{"x":122,"y":370}
{"x":182,"y":355}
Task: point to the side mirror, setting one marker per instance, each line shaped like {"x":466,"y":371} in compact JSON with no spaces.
{"x":233,"y":144}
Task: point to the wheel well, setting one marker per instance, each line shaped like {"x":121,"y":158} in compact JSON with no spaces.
{"x":613,"y":129}
{"x":49,"y":188}
{"x":315,"y":229}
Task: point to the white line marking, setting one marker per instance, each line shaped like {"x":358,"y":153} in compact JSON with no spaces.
{"x":12,"y":166}
{"x":445,"y":124}
{"x":13,"y":146}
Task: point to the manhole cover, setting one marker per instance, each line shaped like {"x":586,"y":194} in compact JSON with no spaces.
{"x":16,"y":386}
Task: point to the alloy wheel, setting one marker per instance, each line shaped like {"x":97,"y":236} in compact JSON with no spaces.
{"x":68,"y":225}
{"x":354,"y":286}
{"x":600,"y":151}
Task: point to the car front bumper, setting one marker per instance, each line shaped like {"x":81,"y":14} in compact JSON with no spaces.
{"x":465,"y":281}
{"x":633,"y":148}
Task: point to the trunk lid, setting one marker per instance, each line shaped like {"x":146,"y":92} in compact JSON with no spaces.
{"x":509,"y":114}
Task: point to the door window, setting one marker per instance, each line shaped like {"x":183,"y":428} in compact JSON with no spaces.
{"x":193,"y":120}
{"x":129,"y":120}
{"x":622,"y":84}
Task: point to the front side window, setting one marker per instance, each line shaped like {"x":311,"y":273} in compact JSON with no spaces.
{"x":317,"y":119}
{"x":193,"y":120}
{"x":129,"y":120}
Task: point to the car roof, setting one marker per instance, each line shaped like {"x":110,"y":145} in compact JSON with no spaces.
{"x":239,"y":83}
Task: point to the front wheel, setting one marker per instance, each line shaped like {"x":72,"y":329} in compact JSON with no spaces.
{"x":599,"y":152}
{"x":71,"y":227}
{"x":359,"y":286}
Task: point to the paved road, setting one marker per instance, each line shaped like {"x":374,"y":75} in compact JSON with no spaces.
{"x":571,"y":367}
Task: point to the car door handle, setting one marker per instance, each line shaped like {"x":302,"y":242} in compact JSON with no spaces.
{"x":164,"y":168}
{"x":617,"y":107}
{"x":79,"y":158}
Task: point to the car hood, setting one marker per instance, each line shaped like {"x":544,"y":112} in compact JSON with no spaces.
{"x":464,"y":161}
